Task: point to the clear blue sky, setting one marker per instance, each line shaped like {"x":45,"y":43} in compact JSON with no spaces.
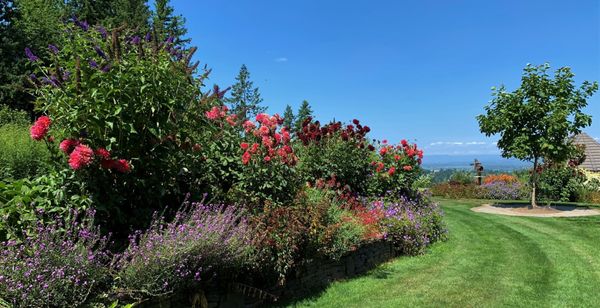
{"x":420,"y":70}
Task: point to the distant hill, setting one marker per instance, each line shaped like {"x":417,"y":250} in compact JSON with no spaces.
{"x":490,"y":162}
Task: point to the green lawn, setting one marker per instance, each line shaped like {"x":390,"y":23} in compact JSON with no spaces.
{"x":489,"y":260}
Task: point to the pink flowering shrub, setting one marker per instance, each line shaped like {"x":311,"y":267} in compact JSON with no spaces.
{"x":395,"y":168}
{"x":264,"y":167}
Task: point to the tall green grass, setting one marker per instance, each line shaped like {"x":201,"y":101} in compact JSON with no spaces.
{"x":20,"y":156}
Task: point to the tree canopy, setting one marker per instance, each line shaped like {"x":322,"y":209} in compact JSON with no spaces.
{"x":537,"y":120}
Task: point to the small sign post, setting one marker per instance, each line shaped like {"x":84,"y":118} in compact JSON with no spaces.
{"x":478,"y":167}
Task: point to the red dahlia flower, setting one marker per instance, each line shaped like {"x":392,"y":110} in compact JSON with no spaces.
{"x":68,"y":145}
{"x":246,"y":158}
{"x":103,"y":153}
{"x":407,"y":168}
{"x":122,"y":166}
{"x":244,"y":145}
{"x":82,"y":156}
{"x":39,"y":129}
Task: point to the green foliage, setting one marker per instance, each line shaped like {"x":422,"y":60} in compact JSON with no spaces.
{"x":20,"y":156}
{"x":13,"y":116}
{"x":56,"y":194}
{"x":245,"y":99}
{"x":304,"y":112}
{"x":537,"y":120}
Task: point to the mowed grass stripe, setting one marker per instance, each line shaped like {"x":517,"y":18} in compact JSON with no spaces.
{"x":488,"y":261}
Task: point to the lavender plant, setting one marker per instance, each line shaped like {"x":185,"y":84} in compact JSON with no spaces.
{"x":412,"y":224}
{"x":503,"y":191}
{"x":170,"y":256}
{"x":55,"y":265}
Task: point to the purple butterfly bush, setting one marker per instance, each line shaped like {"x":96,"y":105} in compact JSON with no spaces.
{"x":56,"y":264}
{"x":102,"y":32}
{"x":53,"y":49}
{"x":100,"y":52}
{"x":93,"y":63}
{"x":199,"y":241}
{"x":32,"y":57}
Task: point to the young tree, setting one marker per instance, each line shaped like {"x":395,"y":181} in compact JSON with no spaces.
{"x":288,"y":117}
{"x":167,"y":25}
{"x":245,"y":99}
{"x":303,"y":113}
{"x":536,"y":121}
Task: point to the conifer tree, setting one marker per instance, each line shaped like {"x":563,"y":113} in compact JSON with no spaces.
{"x":288,"y":117}
{"x":303,"y":113}
{"x":245,"y":99}
{"x":168,"y":25}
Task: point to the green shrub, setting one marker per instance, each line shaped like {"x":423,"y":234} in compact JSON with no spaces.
{"x":22,"y":202}
{"x":13,"y":116}
{"x":135,"y":107}
{"x":461,"y":177}
{"x":457,"y":191}
{"x":558,"y":183}
{"x":335,"y":151}
{"x":20,"y":156}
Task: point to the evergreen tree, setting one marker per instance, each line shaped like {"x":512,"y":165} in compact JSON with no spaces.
{"x":134,"y":13}
{"x":92,"y":11}
{"x":245,"y":99}
{"x":288,"y":117}
{"x":168,"y":25}
{"x":303,"y":113}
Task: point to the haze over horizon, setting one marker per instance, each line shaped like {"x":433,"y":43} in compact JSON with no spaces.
{"x":419,"y":70}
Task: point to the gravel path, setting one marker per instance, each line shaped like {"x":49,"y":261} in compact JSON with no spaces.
{"x":520,"y":210}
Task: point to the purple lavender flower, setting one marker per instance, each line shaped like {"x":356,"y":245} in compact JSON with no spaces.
{"x":33,"y":78}
{"x":102,"y":32}
{"x":53,"y":49}
{"x":106,"y":68}
{"x":30,"y":55}
{"x":198,"y":239}
{"x":82,"y":24}
{"x":135,"y":40}
{"x":66,"y":75}
{"x":148,"y":37}
{"x":100,"y":52}
{"x":93,"y":63}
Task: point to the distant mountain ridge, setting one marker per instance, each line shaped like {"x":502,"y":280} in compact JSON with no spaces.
{"x":490,"y":162}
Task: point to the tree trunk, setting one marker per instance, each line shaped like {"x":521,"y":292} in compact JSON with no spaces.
{"x":534,"y":184}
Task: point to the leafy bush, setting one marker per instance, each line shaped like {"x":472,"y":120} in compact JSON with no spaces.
{"x":335,"y":151}
{"x":199,"y":242}
{"x":281,"y":237}
{"x":558,"y":183}
{"x":461,"y":177}
{"x":13,"y":116}
{"x":55,"y":265}
{"x":22,"y":201}
{"x":332,"y":230}
{"x":457,"y":191}
{"x":20,"y":156}
{"x":396,"y":168}
{"x":412,"y":225}
{"x":126,"y":110}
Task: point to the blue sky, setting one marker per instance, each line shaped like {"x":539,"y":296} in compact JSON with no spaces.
{"x":420,"y":70}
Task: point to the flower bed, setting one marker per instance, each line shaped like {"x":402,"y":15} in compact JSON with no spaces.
{"x":260,"y":202}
